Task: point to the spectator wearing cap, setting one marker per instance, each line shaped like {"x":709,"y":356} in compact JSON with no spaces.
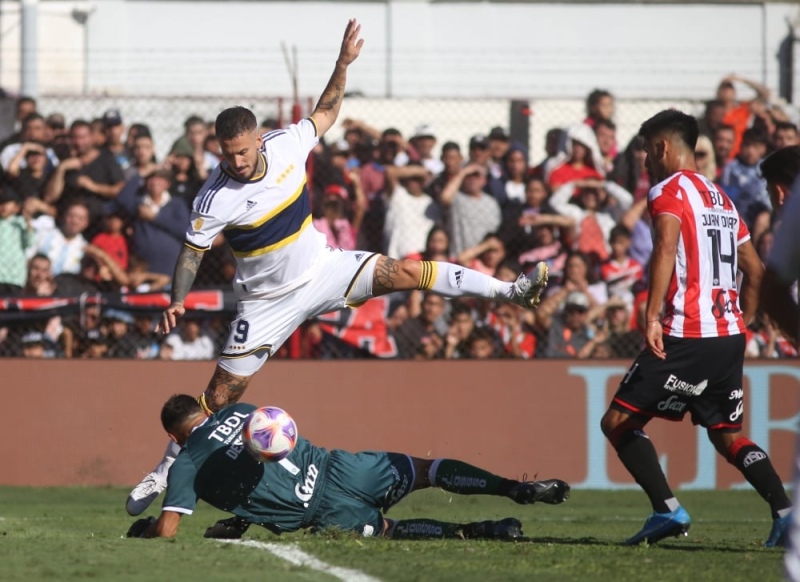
{"x":568,"y":333}
{"x":186,"y":180}
{"x":471,"y":212}
{"x":341,"y":232}
{"x":95,"y":344}
{"x":91,"y":174}
{"x":581,"y":161}
{"x":479,"y":151}
{"x":118,"y":324}
{"x":33,"y":345}
{"x":411,"y":212}
{"x":33,"y":134}
{"x":742,"y":180}
{"x":159,"y":222}
{"x":16,"y":237}
{"x":451,"y":162}
{"x":423,"y":143}
{"x":114,"y":130}
{"x":188,"y":343}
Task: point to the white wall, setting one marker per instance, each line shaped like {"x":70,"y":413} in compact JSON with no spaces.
{"x":437,"y":50}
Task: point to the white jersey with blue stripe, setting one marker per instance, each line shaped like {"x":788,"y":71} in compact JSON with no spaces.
{"x":266,"y":220}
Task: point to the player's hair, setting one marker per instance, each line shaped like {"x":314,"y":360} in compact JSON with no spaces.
{"x":782,"y":166}
{"x":177,"y":410}
{"x":786,"y":125}
{"x":674,"y":122}
{"x":235,"y":121}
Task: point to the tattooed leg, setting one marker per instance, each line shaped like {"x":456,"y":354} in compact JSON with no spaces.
{"x":224,"y":389}
{"x":446,"y":279}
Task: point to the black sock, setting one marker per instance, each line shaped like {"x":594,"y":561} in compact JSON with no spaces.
{"x":639,"y":456}
{"x":417,"y":529}
{"x":755,"y":465}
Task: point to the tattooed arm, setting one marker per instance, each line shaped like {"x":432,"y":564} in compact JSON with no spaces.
{"x":185,"y":271}
{"x":330,"y":102}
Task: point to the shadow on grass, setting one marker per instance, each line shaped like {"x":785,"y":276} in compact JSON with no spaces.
{"x":689,"y":546}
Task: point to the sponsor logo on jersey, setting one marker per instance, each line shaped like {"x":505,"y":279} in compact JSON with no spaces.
{"x":753,"y":457}
{"x":305,"y":490}
{"x":229,"y":429}
{"x":197,"y":224}
{"x":671,"y":404}
{"x":736,"y":394}
{"x":359,"y":256}
{"x":250,"y":204}
{"x":674,"y":384}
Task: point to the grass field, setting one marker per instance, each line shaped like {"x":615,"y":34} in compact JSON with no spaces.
{"x":78,"y":534}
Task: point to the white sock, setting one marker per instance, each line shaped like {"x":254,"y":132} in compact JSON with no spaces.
{"x":170,"y":454}
{"x":451,"y":280}
{"x":672,"y":503}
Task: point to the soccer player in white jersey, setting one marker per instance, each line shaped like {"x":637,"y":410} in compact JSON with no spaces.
{"x":286,"y":273}
{"x":694,"y":356}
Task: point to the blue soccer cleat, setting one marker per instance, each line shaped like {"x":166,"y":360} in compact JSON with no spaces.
{"x":662,"y":525}
{"x":779,"y":534}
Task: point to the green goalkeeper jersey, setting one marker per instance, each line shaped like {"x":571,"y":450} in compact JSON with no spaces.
{"x":214,"y":466}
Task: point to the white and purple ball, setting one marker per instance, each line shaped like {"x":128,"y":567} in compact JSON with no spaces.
{"x":269,"y":434}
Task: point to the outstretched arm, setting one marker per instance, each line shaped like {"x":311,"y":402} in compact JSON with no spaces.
{"x":185,"y":271}
{"x":330,"y":102}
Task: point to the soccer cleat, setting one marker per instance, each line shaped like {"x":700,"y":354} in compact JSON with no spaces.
{"x":662,"y":525}
{"x":552,"y":491}
{"x":145,"y":493}
{"x":505,"y":529}
{"x":528,"y":288}
{"x":232,"y":528}
{"x":779,"y":534}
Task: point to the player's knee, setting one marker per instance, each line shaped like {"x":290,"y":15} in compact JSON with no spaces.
{"x":611,"y":419}
{"x":617,"y":425}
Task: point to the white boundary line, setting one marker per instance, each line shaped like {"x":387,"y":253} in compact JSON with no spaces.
{"x":293,"y":554}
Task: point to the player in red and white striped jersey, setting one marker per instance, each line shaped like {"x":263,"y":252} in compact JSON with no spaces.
{"x":696,"y":316}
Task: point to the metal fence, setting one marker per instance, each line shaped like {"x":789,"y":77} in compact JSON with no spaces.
{"x":99,"y":314}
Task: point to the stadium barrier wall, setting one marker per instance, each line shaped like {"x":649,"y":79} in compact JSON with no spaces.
{"x":97,"y":423}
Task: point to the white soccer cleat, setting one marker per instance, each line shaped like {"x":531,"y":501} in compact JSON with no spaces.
{"x":528,"y":288}
{"x":145,"y":493}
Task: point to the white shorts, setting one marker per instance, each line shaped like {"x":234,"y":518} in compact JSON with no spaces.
{"x":262,"y":325}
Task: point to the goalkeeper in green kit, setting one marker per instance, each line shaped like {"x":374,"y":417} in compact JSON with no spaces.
{"x":316,"y":488}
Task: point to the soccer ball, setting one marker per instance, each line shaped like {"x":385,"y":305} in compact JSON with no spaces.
{"x":269,"y":434}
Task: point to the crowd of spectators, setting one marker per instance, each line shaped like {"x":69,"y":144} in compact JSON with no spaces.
{"x":87,"y":208}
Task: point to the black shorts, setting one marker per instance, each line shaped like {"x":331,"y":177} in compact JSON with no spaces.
{"x":702,"y":376}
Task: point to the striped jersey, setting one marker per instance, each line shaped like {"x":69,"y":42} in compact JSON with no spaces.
{"x":702,"y":298}
{"x":266,"y":220}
